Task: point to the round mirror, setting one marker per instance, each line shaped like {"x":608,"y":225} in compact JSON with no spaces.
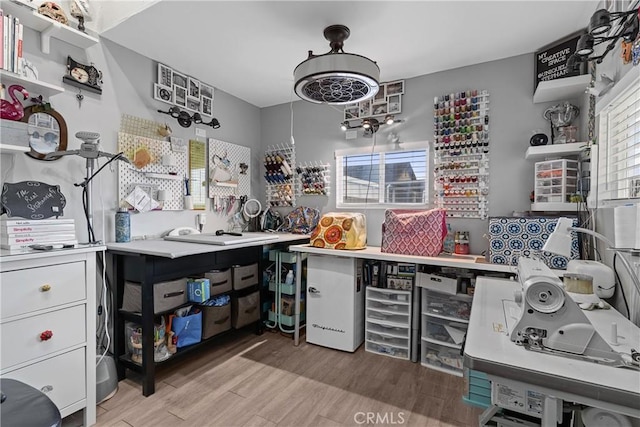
{"x":47,"y":132}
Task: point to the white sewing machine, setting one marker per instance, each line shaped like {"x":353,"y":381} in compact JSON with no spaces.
{"x":551,"y":322}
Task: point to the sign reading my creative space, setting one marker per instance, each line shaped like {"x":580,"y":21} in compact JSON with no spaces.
{"x":551,"y":62}
{"x":32,"y":200}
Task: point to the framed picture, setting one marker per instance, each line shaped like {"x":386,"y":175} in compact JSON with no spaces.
{"x":395,"y":88}
{"x":162,"y":93}
{"x":206,"y":91}
{"x":379,"y":109}
{"x":380,"y":96}
{"x":179,"y":95}
{"x":165,"y":76}
{"x":180,"y":80}
{"x":364,"y":109}
{"x":193,"y":104}
{"x":394,"y":106}
{"x":194,"y":88}
{"x":206,"y":107}
{"x":351,"y":112}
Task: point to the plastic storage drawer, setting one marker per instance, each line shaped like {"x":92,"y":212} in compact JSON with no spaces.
{"x":245,"y":276}
{"x":441,"y":357}
{"x":387,"y":340}
{"x":444,"y":331}
{"x":219,"y":280}
{"x":388,"y":295}
{"x":398,"y":319}
{"x":387,"y":350}
{"x":386,"y":330}
{"x":388,"y":306}
{"x":455,"y":307}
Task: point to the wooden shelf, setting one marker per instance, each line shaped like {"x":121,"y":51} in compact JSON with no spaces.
{"x":544,"y":152}
{"x":34,"y":87}
{"x":561,"y":89}
{"x":48,"y":27}
{"x":12,"y":149}
{"x":554,"y":207}
{"x":162,"y":176}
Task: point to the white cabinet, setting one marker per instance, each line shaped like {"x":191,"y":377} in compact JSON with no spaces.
{"x":47,"y":325}
{"x":445,"y":319}
{"x":388,"y":322}
{"x":335,"y":302}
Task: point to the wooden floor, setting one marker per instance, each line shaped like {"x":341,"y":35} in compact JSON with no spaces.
{"x":252,"y":380}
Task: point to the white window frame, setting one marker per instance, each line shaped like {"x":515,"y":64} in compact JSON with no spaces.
{"x":603,"y":187}
{"x":406,"y":146}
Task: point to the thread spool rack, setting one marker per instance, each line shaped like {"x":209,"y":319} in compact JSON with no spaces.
{"x":312,"y":179}
{"x":280,"y":163}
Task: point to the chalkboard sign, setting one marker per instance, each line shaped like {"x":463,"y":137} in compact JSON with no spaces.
{"x":551,"y":61}
{"x":32,"y":200}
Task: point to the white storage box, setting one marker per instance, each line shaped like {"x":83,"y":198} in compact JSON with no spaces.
{"x":555,"y":180}
{"x":434,"y":282}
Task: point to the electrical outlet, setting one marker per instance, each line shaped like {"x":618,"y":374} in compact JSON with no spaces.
{"x":201,"y":132}
{"x":634,"y":188}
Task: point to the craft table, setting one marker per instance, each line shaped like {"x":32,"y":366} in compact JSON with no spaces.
{"x":488,"y":349}
{"x":153,"y":261}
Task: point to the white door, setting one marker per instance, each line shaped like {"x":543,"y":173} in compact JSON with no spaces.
{"x":331,"y":290}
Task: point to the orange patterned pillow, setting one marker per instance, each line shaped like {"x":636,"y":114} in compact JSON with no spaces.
{"x":340,"y":230}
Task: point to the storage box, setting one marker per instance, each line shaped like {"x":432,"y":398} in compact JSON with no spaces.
{"x":215,"y":320}
{"x":245,"y":310}
{"x":198,"y":290}
{"x":510,"y":238}
{"x":413,"y":232}
{"x":438,"y":283}
{"x":404,"y":283}
{"x":340,"y":230}
{"x":245,"y":276}
{"x":166,"y":296}
{"x":219,"y":281}
{"x":555,"y":180}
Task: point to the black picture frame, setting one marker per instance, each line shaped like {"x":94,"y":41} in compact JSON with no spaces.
{"x":551,"y":60}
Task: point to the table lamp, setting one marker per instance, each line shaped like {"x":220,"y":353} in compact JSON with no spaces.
{"x":559,"y":242}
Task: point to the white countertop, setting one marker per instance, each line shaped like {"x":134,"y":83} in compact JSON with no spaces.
{"x":173,"y":249}
{"x":474,"y":262}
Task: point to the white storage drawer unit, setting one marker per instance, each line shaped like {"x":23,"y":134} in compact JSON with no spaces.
{"x":51,"y":292}
{"x":335,"y":302}
{"x":388,"y":322}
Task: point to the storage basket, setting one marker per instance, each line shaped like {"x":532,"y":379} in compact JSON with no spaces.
{"x":220,"y":281}
{"x":245,"y":276}
{"x":215,"y":320}
{"x":166,"y":296}
{"x":245,"y":310}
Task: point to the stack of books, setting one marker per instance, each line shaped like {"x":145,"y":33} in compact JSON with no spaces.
{"x":18,"y":233}
{"x":11,"y":49}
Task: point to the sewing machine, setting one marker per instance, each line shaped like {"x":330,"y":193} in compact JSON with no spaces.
{"x":551,"y":321}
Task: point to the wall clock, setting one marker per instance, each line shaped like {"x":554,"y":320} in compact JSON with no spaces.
{"x":83,"y":76}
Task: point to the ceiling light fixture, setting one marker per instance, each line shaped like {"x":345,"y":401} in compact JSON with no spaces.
{"x":185,"y":119}
{"x":370,"y":125}
{"x":600,"y":23}
{"x":336,"y":77}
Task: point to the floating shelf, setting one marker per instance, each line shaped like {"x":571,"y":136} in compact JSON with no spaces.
{"x":48,"y":27}
{"x":34,"y":87}
{"x":554,"y":207}
{"x":9,"y":148}
{"x":544,"y":152}
{"x":561,"y":89}
{"x":162,"y":176}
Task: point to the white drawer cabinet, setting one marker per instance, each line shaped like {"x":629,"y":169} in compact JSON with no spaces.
{"x":388,"y":322}
{"x":51,"y":291}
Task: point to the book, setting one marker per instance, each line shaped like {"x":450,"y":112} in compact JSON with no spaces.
{"x":2,"y":45}
{"x":19,"y":49}
{"x":49,"y":221}
{"x":21,"y":246}
{"x":16,"y":35}
{"x":36,"y":228}
{"x":30,"y":240}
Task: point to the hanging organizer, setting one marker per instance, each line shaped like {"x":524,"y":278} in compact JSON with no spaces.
{"x":229,"y":171}
{"x":279,"y":163}
{"x":461,"y":147}
{"x":312,"y":179}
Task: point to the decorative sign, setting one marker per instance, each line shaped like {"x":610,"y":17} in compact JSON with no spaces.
{"x":32,"y":200}
{"x":551,"y":62}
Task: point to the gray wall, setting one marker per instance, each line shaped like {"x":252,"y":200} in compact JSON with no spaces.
{"x":128,"y":87}
{"x":513,"y":118}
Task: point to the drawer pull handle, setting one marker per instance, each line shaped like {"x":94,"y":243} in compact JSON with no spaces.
{"x":45,"y":288}
{"x":313,"y":290}
{"x":173,"y":294}
{"x":46,"y":335}
{"x":46,"y":389}
{"x":247,"y":277}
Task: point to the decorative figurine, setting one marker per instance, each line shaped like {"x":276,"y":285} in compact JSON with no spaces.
{"x":15,"y":110}
{"x":80,"y":10}
{"x":53,"y":11}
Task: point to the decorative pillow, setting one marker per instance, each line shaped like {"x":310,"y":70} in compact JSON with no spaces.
{"x":340,"y":230}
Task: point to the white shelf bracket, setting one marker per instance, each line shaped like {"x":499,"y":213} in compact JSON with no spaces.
{"x":45,"y":38}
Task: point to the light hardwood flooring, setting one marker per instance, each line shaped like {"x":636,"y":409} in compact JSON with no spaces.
{"x":251,"y":380}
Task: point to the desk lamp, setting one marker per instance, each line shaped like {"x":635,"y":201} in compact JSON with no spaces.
{"x":559,"y":242}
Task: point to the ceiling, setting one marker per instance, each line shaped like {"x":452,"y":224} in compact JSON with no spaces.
{"x":250,"y":48}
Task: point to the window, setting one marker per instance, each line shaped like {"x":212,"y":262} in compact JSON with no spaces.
{"x":383,"y":177}
{"x":618,"y":151}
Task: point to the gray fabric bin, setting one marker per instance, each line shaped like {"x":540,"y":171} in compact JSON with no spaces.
{"x":245,"y":310}
{"x":166,"y":295}
{"x":215,"y":320}
{"x":219,"y":280}
{"x":245,"y":276}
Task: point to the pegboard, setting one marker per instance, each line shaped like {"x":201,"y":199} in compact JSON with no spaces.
{"x":147,"y":169}
{"x":140,"y":127}
{"x":229,"y":169}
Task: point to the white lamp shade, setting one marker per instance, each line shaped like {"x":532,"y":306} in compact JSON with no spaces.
{"x":559,"y":242}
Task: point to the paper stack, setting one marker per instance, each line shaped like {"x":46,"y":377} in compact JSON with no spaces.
{"x":17,"y":233}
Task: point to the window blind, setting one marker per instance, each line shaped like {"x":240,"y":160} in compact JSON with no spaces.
{"x":619,"y":147}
